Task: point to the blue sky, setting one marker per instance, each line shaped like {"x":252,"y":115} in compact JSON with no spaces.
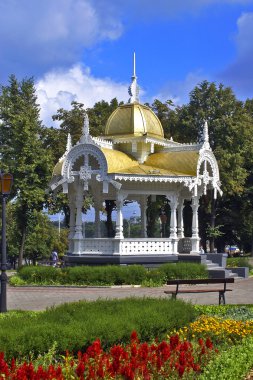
{"x":82,"y":49}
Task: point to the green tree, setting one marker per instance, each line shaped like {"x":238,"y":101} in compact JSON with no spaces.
{"x":231,"y":138}
{"x":167,"y":113}
{"x":24,"y":155}
{"x":42,"y":238}
{"x":99,"y":114}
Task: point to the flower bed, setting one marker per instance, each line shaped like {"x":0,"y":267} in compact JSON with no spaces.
{"x":218,"y":329}
{"x":166,"y":360}
{"x":210,"y":348}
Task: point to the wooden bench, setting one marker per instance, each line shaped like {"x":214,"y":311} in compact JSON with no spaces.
{"x":209,"y":281}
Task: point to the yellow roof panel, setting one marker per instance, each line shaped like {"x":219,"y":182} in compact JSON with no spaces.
{"x":183,"y":162}
{"x":161,"y":164}
{"x":158,"y":164}
{"x":134,"y":119}
{"x":117,"y":160}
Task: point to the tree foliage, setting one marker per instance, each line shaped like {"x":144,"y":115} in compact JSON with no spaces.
{"x":23,"y":155}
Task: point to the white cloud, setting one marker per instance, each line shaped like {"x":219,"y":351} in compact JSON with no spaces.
{"x":178,"y":91}
{"x":58,"y":88}
{"x":239,"y":74}
{"x":49,"y":33}
{"x":245,"y":34}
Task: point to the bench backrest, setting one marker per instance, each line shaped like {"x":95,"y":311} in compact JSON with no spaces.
{"x":202,"y":281}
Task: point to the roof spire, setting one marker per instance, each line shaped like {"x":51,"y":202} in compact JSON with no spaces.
{"x":133,"y":89}
{"x":69,"y":143}
{"x":206,"y":144}
{"x":134,"y":65}
{"x":85,"y":129}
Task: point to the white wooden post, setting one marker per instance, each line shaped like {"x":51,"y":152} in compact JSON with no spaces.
{"x":180,"y":227}
{"x":195,"y":225}
{"x":119,"y":220}
{"x":78,"y":237}
{"x":173,"y":222}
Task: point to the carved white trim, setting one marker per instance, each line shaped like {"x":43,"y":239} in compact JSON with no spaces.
{"x":103,"y":143}
{"x":183,"y":148}
{"x":206,"y":178}
{"x":134,"y":178}
{"x":171,"y":145}
{"x":81,"y":150}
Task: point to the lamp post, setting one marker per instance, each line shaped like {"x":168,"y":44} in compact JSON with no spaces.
{"x":6,"y":180}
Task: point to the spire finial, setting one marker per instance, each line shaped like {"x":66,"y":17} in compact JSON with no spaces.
{"x":134,"y":65}
{"x":69,"y":143}
{"x":85,"y":129}
{"x":133,"y":89}
{"x":206,"y":144}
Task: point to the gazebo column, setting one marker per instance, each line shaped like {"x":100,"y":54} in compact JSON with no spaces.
{"x":195,"y":225}
{"x":72,"y":219}
{"x":119,"y":220}
{"x":143,"y":204}
{"x":97,"y":205}
{"x":180,"y":226}
{"x":78,"y":237}
{"x":173,"y":223}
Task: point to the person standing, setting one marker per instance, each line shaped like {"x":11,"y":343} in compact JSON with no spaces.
{"x":201,"y":251}
{"x":54,"y":257}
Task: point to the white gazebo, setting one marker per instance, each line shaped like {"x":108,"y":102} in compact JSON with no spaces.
{"x":132,"y":161}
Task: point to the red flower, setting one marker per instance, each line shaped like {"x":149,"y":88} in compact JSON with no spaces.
{"x":201,"y":342}
{"x":80,"y":370}
{"x":134,"y":337}
{"x":174,"y":341}
{"x":181,"y":370}
{"x":95,"y":349}
{"x":209,"y":344}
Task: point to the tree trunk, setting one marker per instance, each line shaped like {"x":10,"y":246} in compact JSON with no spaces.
{"x":109,"y":206}
{"x":22,"y":247}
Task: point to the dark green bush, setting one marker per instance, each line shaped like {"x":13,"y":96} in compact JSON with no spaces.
{"x":39,"y":274}
{"x":111,"y":274}
{"x":183,"y":271}
{"x":105,"y":275}
{"x":74,"y":326}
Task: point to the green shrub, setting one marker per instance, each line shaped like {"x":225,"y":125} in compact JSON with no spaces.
{"x":40,"y":274}
{"x":110,"y":274}
{"x":232,"y":364}
{"x":16,"y":281}
{"x":234,"y":262}
{"x":154,"y":277}
{"x":183,"y":271}
{"x":75,"y":326}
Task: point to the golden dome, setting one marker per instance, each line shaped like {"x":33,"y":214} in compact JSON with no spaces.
{"x":134,"y":119}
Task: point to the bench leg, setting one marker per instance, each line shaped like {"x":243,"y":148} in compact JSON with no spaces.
{"x":222,"y":298}
{"x":173,"y":296}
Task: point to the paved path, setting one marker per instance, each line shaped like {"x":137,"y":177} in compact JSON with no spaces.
{"x":41,"y":298}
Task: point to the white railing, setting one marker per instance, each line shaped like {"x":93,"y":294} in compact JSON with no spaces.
{"x":110,"y":246}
